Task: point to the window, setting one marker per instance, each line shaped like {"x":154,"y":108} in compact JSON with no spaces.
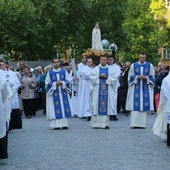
{"x":165,"y":52}
{"x":168,"y":3}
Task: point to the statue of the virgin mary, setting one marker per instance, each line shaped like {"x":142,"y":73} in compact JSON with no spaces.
{"x":96,"y":38}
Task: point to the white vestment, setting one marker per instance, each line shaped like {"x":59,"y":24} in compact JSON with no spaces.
{"x":96,"y":40}
{"x":55,"y":123}
{"x":138,"y":117}
{"x":12,"y":88}
{"x":3,"y":98}
{"x":80,"y":90}
{"x":98,"y":120}
{"x":14,"y":84}
{"x":86,"y":91}
{"x":160,"y":125}
{"x":117,"y":72}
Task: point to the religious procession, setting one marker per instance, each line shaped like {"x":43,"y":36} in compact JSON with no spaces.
{"x":96,"y":91}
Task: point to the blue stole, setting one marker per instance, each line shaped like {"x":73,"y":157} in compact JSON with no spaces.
{"x":56,"y":98}
{"x":143,"y":85}
{"x":103,"y":93}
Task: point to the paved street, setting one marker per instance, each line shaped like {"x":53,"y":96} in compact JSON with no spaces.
{"x":36,"y":147}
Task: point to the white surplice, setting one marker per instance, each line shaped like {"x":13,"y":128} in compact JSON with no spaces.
{"x":3,"y":98}
{"x":86,"y":90}
{"x":80,"y":90}
{"x":13,"y":84}
{"x":117,"y":72}
{"x":160,"y":125}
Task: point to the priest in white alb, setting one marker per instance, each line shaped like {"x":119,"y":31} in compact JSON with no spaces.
{"x":80,"y":86}
{"x":86,"y":88}
{"x":140,"y":91}
{"x":101,"y":100}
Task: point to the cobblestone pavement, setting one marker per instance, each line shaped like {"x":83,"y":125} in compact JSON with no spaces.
{"x":36,"y":147}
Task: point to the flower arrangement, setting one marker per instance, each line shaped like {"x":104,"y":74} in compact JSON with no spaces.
{"x":93,"y":53}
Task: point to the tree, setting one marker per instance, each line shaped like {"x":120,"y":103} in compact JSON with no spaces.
{"x":18,"y":26}
{"x":71,"y":22}
{"x":38,"y":28}
{"x":140,"y":29}
{"x":63,"y":24}
{"x":162,"y":17}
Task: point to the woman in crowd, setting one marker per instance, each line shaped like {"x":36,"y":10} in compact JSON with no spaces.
{"x":29,"y":93}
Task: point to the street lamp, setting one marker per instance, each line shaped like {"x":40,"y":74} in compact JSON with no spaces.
{"x":105,"y":43}
{"x":113,"y":48}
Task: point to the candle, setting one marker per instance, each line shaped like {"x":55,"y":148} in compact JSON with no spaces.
{"x":28,"y":80}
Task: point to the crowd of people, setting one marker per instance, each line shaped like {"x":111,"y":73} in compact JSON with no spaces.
{"x":95,"y":93}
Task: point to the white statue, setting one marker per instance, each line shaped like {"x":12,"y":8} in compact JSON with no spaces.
{"x":96,"y":38}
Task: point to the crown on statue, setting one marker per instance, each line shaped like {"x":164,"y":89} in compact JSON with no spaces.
{"x":97,"y":23}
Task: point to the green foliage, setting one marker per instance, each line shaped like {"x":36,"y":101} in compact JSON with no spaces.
{"x":39,"y":28}
{"x":36,"y":29}
{"x":140,"y":29}
{"x":161,"y":15}
{"x":18,"y":25}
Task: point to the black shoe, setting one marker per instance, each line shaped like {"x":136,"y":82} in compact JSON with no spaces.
{"x":88,"y":118}
{"x":65,"y":127}
{"x":21,"y":112}
{"x":136,"y":127}
{"x":107,"y":127}
{"x":111,"y":118}
{"x":115,"y":118}
{"x":57,"y":128}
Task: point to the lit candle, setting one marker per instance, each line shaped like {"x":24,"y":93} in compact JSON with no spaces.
{"x":29,"y":80}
